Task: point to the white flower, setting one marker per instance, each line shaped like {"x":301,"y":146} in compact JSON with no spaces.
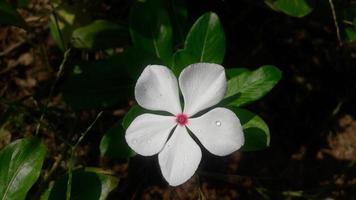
{"x":202,"y":85}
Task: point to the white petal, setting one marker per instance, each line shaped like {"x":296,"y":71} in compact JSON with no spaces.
{"x":157,"y":89}
{"x":148,"y":133}
{"x":180,"y":157}
{"x":203,"y":85}
{"x":219,"y":131}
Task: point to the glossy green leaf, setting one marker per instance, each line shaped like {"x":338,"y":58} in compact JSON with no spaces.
{"x":151,"y":29}
{"x":251,"y":86}
{"x":10,"y":16}
{"x":113,"y":144}
{"x":256,"y":131}
{"x":205,"y":42}
{"x":97,"y":84}
{"x":294,"y":8}
{"x":88,"y":184}
{"x":21,"y":163}
{"x":131,"y":115}
{"x":100,"y":34}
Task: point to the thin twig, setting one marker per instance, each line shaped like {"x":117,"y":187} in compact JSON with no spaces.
{"x":336,"y":23}
{"x":12,"y":47}
{"x":72,"y":151}
{"x":88,"y":129}
{"x":58,"y":75}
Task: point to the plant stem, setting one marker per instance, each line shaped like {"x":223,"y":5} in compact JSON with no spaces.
{"x":58,"y":75}
{"x":338,"y":35}
{"x":72,"y":151}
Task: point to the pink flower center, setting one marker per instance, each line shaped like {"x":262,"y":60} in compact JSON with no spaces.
{"x":182,"y":119}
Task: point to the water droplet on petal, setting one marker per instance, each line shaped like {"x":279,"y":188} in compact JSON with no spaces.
{"x":134,"y":141}
{"x":218,"y":123}
{"x":149,"y":141}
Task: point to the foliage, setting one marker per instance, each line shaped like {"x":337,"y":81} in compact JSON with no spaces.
{"x":21,"y":163}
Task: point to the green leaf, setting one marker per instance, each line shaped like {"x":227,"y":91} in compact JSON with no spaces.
{"x":251,"y":86}
{"x":88,"y":184}
{"x":179,"y":14}
{"x":62,"y":25}
{"x":21,"y":163}
{"x":256,"y":131}
{"x":151,"y":29}
{"x":66,"y":19}
{"x":231,"y":73}
{"x":205,"y":42}
{"x":182,"y":58}
{"x":10,"y":16}
{"x":350,"y":34}
{"x":113,"y":144}
{"x":134,"y":60}
{"x":131,"y":115}
{"x":100,"y":34}
{"x":97,"y":84}
{"x":294,"y":8}
{"x":45,"y":194}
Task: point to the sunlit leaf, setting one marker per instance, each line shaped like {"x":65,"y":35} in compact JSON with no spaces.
{"x":251,"y":86}
{"x":21,"y":163}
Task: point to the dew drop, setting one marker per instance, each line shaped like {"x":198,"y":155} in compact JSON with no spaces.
{"x":218,"y":123}
{"x":134,"y":141}
{"x":149,"y":141}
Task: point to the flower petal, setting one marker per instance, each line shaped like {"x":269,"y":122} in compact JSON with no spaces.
{"x":180,"y":157}
{"x":203,"y":85}
{"x":219,"y":131}
{"x":148,"y":133}
{"x":157,"y":89}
